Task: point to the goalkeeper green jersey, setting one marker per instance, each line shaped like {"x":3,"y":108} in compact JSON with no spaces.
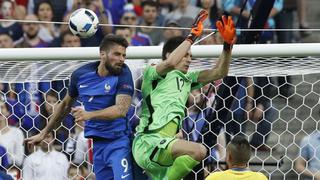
{"x":164,"y":98}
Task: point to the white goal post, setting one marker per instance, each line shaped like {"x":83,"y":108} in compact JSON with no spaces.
{"x":153,"y":52}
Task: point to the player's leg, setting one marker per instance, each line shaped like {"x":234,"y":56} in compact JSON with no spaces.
{"x":146,"y":150}
{"x":100,"y":168}
{"x":120,"y":159}
{"x":186,"y":155}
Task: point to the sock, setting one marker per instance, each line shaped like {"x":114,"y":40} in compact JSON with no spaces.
{"x":181,"y":166}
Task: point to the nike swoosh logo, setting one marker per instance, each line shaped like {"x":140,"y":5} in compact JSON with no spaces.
{"x":124,"y":176}
{"x":83,"y":86}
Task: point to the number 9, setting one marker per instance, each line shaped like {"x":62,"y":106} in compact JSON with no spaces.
{"x":125,"y":164}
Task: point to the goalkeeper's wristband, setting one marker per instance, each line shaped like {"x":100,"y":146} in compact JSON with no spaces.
{"x":191,"y":38}
{"x":227,"y":46}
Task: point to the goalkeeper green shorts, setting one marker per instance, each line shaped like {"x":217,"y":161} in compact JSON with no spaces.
{"x":152,"y":152}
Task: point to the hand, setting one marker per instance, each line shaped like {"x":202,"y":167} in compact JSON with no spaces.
{"x":227,"y":30}
{"x":197,"y":26}
{"x":35,"y":140}
{"x":79,"y":114}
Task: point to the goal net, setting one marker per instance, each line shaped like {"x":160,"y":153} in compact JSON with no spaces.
{"x":272,"y":100}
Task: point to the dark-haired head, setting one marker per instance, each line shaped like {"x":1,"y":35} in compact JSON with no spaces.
{"x":112,"y":53}
{"x":171,"y":45}
{"x":238,"y":151}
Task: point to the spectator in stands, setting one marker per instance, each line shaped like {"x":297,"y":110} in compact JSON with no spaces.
{"x":79,"y":149}
{"x":11,"y":137}
{"x":150,"y":15}
{"x":302,"y":17}
{"x":6,"y":41}
{"x":14,"y":29}
{"x":213,"y":10}
{"x":285,"y":20}
{"x":70,"y":40}
{"x":138,"y":39}
{"x":234,"y":6}
{"x":59,"y":7}
{"x":46,"y":162}
{"x":184,"y":12}
{"x":260,"y":110}
{"x":44,"y":11}
{"x":308,"y":161}
{"x":172,"y":31}
{"x":75,"y":173}
{"x":124,"y":32}
{"x":238,"y":156}
{"x":83,"y":152}
{"x":192,"y":127}
{"x":116,"y":8}
{"x":51,"y":99}
{"x":31,"y":30}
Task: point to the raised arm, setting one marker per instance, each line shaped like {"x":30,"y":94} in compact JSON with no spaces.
{"x":176,"y":56}
{"x":60,"y":112}
{"x":228,"y":33}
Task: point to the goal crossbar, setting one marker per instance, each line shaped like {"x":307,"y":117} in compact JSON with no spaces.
{"x":154,"y":52}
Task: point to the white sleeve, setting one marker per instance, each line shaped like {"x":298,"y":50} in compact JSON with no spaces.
{"x":19,"y":148}
{"x":27,"y":172}
{"x":66,"y":165}
{"x":81,"y":149}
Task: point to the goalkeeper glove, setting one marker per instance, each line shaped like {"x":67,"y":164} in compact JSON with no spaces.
{"x":197,"y":26}
{"x":228,"y":31}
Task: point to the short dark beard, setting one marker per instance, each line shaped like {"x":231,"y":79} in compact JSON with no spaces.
{"x":112,"y":70}
{"x":32,"y":36}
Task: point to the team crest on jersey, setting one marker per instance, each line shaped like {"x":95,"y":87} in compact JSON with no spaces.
{"x":107,"y":88}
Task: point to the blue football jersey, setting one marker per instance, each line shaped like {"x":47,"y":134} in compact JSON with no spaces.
{"x":96,"y":93}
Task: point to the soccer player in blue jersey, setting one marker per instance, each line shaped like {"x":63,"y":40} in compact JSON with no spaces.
{"x":105,"y":88}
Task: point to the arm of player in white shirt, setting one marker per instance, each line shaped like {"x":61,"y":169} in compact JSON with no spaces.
{"x":27,"y":172}
{"x":18,"y":148}
{"x":81,"y":149}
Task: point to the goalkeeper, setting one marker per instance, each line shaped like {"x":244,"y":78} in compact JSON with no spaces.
{"x":165,"y":88}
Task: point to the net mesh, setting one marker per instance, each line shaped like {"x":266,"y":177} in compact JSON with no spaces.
{"x":282,"y":111}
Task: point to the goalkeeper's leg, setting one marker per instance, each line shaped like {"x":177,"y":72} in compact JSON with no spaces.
{"x":186,"y":155}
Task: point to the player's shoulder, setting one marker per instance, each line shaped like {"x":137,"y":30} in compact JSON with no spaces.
{"x":258,"y":175}
{"x":125,"y":68}
{"x":126,"y":72}
{"x":216,"y":175}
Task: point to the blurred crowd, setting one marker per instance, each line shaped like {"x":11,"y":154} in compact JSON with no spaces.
{"x":26,"y":107}
{"x":163,"y":13}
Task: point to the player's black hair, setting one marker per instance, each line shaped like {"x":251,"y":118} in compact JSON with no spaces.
{"x":121,"y":28}
{"x":36,"y":9}
{"x":240,"y":151}
{"x":110,"y":40}
{"x":5,"y":33}
{"x":171,"y":45}
{"x":149,"y":3}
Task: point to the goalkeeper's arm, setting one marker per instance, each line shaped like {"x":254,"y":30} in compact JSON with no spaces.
{"x":176,"y":56}
{"x":228,"y":32}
